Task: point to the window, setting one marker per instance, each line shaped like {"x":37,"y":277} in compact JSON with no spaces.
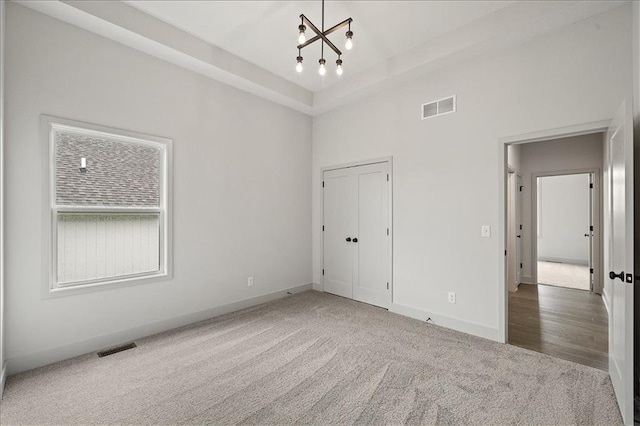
{"x":109,"y":198}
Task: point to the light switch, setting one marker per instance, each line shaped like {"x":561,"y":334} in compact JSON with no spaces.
{"x":486,"y":231}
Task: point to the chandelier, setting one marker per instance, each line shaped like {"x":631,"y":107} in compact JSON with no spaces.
{"x":322,"y":36}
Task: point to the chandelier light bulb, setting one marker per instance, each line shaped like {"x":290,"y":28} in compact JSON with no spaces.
{"x":322,"y":70}
{"x":301,"y":37}
{"x":349,"y":43}
{"x":299,"y":64}
{"x":339,"y":68}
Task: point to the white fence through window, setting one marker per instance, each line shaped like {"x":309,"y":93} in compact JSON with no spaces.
{"x":94,"y":246}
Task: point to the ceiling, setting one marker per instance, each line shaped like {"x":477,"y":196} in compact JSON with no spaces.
{"x":265,"y":32}
{"x":251,"y":45}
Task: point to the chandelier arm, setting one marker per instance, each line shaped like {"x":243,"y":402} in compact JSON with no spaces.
{"x":326,"y":33}
{"x":319,"y":35}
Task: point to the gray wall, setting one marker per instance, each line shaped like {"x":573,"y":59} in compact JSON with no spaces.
{"x":241,"y":186}
{"x":447,"y":169}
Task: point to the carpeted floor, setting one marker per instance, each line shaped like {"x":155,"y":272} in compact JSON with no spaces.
{"x":312,"y":358}
{"x":564,"y":275}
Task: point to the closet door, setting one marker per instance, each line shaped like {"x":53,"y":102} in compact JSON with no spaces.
{"x":357,"y":237}
{"x":339,"y":227}
{"x":372,"y":255}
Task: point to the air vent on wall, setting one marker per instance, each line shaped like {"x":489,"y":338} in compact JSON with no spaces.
{"x":439,"y":107}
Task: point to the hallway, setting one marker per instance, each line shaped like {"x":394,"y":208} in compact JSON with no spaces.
{"x":564,"y":323}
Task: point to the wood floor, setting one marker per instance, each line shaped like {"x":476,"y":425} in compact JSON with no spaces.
{"x":561,"y":322}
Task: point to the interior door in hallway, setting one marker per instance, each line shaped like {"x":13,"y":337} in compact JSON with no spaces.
{"x":518,"y":224}
{"x":619,"y":257}
{"x":357,"y":234}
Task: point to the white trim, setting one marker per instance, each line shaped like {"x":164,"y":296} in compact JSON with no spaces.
{"x":389,"y":161}
{"x":49,"y":125}
{"x":555,"y":259}
{"x":448,"y":322}
{"x":503,"y":143}
{"x":605,"y":301}
{"x":48,"y":356}
{"x":3,"y":378}
{"x":557,"y":133}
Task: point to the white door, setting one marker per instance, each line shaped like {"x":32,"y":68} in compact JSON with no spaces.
{"x":518,"y":221}
{"x":589,"y":233}
{"x":339,"y":224}
{"x":357,"y":237}
{"x":620,"y":258}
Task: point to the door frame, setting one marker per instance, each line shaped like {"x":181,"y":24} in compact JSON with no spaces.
{"x":596,"y":220}
{"x":513,"y":216}
{"x":352,"y":164}
{"x":503,"y":144}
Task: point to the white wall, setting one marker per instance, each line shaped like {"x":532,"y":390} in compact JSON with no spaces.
{"x":241,"y":186}
{"x":560,"y":155}
{"x":446,"y":169}
{"x":563,"y":218}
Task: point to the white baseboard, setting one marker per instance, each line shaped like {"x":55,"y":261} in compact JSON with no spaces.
{"x":51,"y":355}
{"x":3,"y":378}
{"x":526,"y":279}
{"x":317,"y":287}
{"x":583,"y":262}
{"x":448,"y":322}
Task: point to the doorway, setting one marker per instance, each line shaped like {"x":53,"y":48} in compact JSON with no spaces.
{"x":357,"y":232}
{"x":566,"y":229}
{"x":555,"y":308}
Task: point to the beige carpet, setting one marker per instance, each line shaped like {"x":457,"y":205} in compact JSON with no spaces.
{"x":313,"y":358}
{"x":564,"y":275}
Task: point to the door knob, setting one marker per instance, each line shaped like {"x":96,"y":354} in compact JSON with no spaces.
{"x":518,"y":236}
{"x":613,"y":275}
{"x":348,"y":239}
{"x":586,"y":235}
{"x":355,"y":240}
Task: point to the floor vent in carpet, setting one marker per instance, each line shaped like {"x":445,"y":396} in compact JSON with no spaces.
{"x":116,"y":349}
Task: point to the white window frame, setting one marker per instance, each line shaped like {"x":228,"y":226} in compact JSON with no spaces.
{"x":49,"y":127}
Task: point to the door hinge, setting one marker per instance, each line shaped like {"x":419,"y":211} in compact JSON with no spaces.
{"x":505,"y":252}
{"x":323,"y":184}
{"x":387,"y":177}
{"x":521,"y":188}
{"x":591,"y":228}
{"x":387,"y":231}
{"x":591,"y":185}
{"x":322,"y":228}
{"x":591,"y":271}
{"x":520,"y":265}
{"x":521,"y":227}
{"x":387,"y":286}
{"x":323,"y":272}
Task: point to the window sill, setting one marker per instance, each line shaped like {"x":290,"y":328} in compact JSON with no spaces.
{"x":106,"y":285}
